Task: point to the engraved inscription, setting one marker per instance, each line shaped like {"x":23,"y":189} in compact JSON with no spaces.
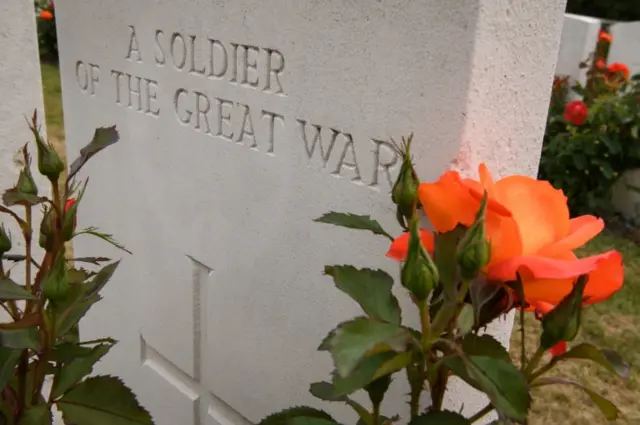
{"x":369,"y":162}
{"x":205,"y":403}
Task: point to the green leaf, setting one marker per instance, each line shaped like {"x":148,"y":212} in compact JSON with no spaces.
{"x":399,"y":362}
{"x":74,"y":313}
{"x":362,"y":375}
{"x":9,"y":290}
{"x":609,"y":359}
{"x":351,"y":340}
{"x":490,"y":300}
{"x":563,"y":322}
{"x":94,"y":231}
{"x":40,"y":414}
{"x":465,"y":320}
{"x":444,"y":417}
{"x":101,"y":278}
{"x":305,"y":420}
{"x":484,"y":345}
{"x":608,"y":409}
{"x":20,"y":339}
{"x":325,"y":391}
{"x":13,"y":197}
{"x":353,"y":221}
{"x":283,"y":417}
{"x":67,"y":352}
{"x":102,"y":400}
{"x":369,"y":288}
{"x":102,"y":138}
{"x":77,"y":369}
{"x":503,"y":383}
{"x":8,"y":362}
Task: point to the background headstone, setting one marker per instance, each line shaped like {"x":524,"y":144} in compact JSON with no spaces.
{"x":224,"y":164}
{"x":626,"y":45}
{"x":578,"y":42}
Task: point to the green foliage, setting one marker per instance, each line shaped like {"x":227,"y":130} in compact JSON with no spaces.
{"x":102,"y":400}
{"x":369,"y":288}
{"x":47,"y":35}
{"x":353,"y":221}
{"x":41,"y":337}
{"x":585,"y":161}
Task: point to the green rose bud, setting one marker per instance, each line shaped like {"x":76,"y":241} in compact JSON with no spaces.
{"x":474,"y":252}
{"x":419,"y":273}
{"x":69,"y":222}
{"x":26,"y":183}
{"x":49,"y":162}
{"x":563,"y":322}
{"x":55,"y":284}
{"x":405,"y":190}
{"x":46,"y":230}
{"x":5,"y":240}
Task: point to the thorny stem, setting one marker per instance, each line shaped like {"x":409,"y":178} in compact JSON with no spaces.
{"x":376,"y":414}
{"x":523,"y":348}
{"x":482,"y":413}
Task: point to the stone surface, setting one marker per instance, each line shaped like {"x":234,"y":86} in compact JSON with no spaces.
{"x":578,"y":42}
{"x":223,"y":166}
{"x":20,"y":95}
{"x":626,"y":195}
{"x":626,"y":44}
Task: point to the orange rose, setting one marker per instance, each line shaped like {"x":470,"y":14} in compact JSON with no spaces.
{"x":605,"y":37}
{"x":619,"y":68}
{"x":600,"y":64}
{"x":46,"y":15}
{"x":530,"y":232}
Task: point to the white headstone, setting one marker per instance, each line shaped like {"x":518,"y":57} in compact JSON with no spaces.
{"x":578,"y":42}
{"x":626,"y":45}
{"x":20,"y":83}
{"x":243,"y":121}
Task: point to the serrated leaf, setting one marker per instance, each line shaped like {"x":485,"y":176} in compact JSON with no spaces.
{"x":484,"y":345}
{"x":608,"y":409}
{"x":77,"y":369}
{"x":13,"y":197}
{"x":283,"y":417}
{"x":9,"y":290}
{"x":353,"y":339}
{"x":369,"y":288}
{"x":76,"y":311}
{"x":305,"y":420}
{"x":102,"y":400}
{"x":8,"y":362}
{"x":503,"y":383}
{"x":94,"y":231}
{"x":353,"y":221}
{"x":101,"y":278}
{"x":102,"y":138}
{"x":40,"y":414}
{"x":398,"y":362}
{"x":609,"y":359}
{"x":362,"y":375}
{"x":20,"y":339}
{"x":66,"y":352}
{"x":444,"y":417}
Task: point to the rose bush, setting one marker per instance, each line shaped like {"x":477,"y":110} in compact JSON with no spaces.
{"x":589,"y":142}
{"x":495,"y":246}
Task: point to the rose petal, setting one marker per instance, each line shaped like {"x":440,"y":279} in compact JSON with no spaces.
{"x":540,"y":211}
{"x":581,"y":230}
{"x":400,"y":246}
{"x":549,"y":280}
{"x":448,"y":202}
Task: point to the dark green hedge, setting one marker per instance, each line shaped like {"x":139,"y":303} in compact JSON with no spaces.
{"x":619,"y":10}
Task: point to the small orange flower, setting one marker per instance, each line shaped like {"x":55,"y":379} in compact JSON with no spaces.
{"x":46,"y":15}
{"x":600,"y":64}
{"x":530,"y":231}
{"x":70,"y":202}
{"x":618,"y":68}
{"x":605,"y":37}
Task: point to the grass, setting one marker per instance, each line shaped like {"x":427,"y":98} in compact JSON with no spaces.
{"x":53,"y":103}
{"x":614,"y":324}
